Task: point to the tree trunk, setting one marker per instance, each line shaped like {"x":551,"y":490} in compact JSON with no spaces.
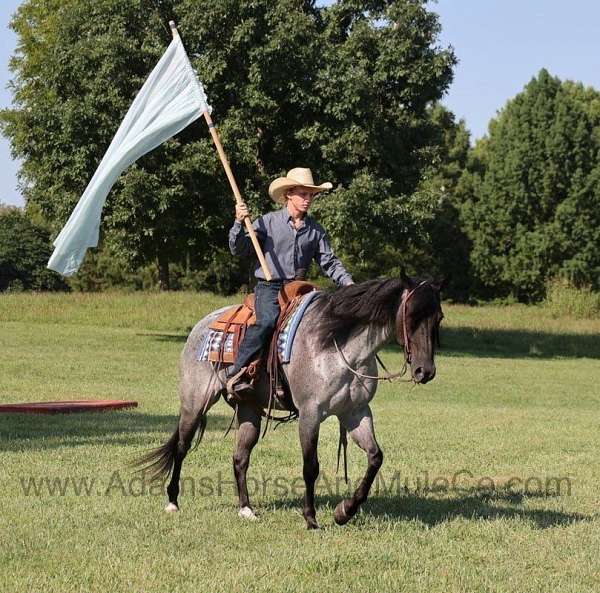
{"x":163,"y":272}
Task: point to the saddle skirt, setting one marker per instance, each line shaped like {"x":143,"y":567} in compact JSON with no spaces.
{"x":225,"y":334}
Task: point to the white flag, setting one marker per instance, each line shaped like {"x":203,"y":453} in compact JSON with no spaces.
{"x":170,"y":100}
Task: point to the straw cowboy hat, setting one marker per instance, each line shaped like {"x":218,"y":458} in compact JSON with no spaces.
{"x":295,"y":177}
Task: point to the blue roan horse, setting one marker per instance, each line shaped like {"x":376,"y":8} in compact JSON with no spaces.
{"x":332,"y":373}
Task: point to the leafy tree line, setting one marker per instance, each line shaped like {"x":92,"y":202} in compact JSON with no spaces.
{"x":352,"y":91}
{"x":521,"y":208}
{"x":530,"y":193}
{"x":343,"y":89}
{"x":24,"y":251}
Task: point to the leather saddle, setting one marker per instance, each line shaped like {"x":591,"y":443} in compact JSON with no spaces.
{"x":235,"y":321}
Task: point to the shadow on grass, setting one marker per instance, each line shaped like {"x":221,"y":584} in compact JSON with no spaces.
{"x":432,"y":510}
{"x":174,"y":338}
{"x":497,"y":343}
{"x":22,"y":432}
{"x":469,"y":505}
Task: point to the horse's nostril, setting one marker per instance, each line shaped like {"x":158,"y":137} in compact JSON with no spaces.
{"x":424,"y":374}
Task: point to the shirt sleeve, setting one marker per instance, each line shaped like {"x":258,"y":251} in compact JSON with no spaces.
{"x":330,"y":264}
{"x":239,"y":239}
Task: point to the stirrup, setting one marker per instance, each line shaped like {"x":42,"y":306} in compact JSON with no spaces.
{"x":238,"y":387}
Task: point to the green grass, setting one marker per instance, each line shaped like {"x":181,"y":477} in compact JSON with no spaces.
{"x":516,"y":396}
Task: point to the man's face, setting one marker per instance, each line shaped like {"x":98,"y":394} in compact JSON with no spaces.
{"x":301,"y":198}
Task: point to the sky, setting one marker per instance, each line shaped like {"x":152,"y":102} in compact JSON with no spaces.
{"x":500,"y":45}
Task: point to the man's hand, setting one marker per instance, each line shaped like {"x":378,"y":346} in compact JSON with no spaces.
{"x":241,"y":211}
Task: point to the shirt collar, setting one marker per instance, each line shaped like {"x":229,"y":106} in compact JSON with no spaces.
{"x":287,"y":217}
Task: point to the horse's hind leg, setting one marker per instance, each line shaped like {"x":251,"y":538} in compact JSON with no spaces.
{"x":188,"y":424}
{"x":247,"y":436}
{"x":191,"y":418}
{"x":360,"y":427}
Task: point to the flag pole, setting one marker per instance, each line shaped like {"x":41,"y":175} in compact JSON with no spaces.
{"x":231,"y":178}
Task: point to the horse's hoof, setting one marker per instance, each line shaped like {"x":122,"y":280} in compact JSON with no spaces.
{"x":247,"y":513}
{"x":340,"y":516}
{"x":312,"y":524}
{"x":171,"y":508}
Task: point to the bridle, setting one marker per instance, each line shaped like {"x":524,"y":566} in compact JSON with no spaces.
{"x":403,"y":311}
{"x":405,"y":337}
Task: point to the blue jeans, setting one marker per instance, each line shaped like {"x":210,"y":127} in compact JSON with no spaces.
{"x":258,"y":335}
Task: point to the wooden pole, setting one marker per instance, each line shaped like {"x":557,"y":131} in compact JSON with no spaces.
{"x":236,"y":192}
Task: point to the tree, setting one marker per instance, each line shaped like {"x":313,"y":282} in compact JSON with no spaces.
{"x":24,"y":252}
{"x":445,"y":248}
{"x":533,"y":213}
{"x":342,"y":89}
{"x":381,"y":71}
{"x":78,"y":68}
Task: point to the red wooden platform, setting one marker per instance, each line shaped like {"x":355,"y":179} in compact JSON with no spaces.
{"x":67,"y":407}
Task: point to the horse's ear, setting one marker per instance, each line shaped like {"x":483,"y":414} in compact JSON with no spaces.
{"x":405,"y":279}
{"x":441,"y":284}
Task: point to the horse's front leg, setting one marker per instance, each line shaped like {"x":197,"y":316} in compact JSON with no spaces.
{"x":360,"y":427}
{"x":248,"y":419}
{"x":308,"y":425}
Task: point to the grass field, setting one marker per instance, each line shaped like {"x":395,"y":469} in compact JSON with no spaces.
{"x":515,"y":405}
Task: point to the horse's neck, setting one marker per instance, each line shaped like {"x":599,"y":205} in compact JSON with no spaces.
{"x":366,"y":341}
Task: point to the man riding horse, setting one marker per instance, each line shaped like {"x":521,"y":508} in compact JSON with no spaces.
{"x":334,"y":368}
{"x":290,"y":240}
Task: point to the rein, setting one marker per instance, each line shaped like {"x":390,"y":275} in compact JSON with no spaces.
{"x":387,"y":377}
{"x":407,"y":350}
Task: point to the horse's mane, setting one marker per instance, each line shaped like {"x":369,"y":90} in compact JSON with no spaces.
{"x":374,"y":301}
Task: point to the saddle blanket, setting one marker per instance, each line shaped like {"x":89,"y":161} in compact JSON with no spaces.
{"x":285,"y":340}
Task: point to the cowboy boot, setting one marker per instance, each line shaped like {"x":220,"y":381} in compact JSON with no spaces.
{"x":237,"y":384}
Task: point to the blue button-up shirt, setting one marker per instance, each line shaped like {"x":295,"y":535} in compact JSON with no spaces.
{"x":287,"y":249}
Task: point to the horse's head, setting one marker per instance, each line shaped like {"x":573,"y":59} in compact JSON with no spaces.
{"x":417,"y":326}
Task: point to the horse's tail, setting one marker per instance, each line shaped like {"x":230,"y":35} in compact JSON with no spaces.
{"x":158,"y":463}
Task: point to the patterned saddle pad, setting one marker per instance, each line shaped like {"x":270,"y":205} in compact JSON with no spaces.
{"x":214,"y":338}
